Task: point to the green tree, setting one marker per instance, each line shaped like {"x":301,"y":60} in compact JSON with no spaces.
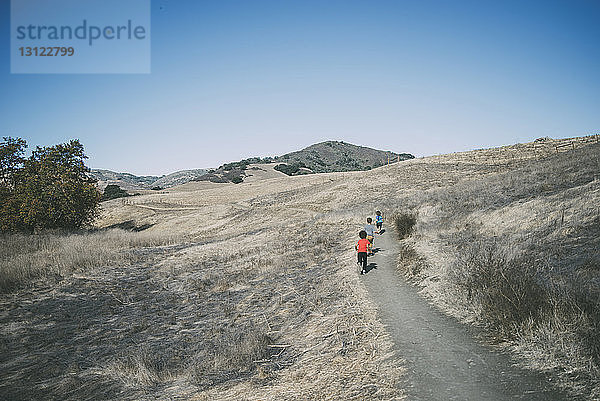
{"x":113,"y":191}
{"x":11,"y":160}
{"x":50,"y":189}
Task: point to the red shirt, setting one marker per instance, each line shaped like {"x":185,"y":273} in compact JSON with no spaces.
{"x":363,"y":245}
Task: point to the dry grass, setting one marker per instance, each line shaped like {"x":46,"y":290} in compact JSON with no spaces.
{"x":25,"y":258}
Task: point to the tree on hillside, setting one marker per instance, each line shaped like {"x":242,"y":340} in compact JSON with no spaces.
{"x":50,"y":189}
{"x":113,"y":191}
{"x":11,"y":160}
{"x":292,"y":168}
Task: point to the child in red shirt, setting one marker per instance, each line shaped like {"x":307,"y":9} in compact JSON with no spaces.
{"x":362,"y":247}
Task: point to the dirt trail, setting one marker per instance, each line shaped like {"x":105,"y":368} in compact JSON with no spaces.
{"x":444,"y":360}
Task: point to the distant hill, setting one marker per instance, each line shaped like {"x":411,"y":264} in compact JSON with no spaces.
{"x":124,"y":180}
{"x":324,"y":157}
{"x":334,"y":156}
{"x":178,"y":178}
{"x":132,"y":182}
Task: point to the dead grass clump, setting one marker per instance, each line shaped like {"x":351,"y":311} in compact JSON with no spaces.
{"x":230,"y":355}
{"x":502,"y":284}
{"x":410,"y":263}
{"x":404,"y":223}
{"x":142,"y":368}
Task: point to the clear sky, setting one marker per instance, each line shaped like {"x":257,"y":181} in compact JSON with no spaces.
{"x":234,"y":79}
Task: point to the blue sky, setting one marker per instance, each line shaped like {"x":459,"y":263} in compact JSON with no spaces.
{"x":234,"y":79}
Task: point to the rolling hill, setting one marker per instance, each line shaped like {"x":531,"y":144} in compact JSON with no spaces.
{"x":338,"y":156}
{"x":323,"y":157}
{"x":131,"y":182}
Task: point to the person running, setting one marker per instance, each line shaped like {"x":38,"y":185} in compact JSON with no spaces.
{"x":370,"y":229}
{"x":378,"y":221}
{"x":362,"y":247}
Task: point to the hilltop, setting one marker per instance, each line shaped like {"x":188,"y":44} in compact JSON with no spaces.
{"x":338,"y":156}
{"x":323,"y":157}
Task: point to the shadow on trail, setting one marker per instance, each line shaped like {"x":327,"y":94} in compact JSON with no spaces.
{"x":371,"y":266}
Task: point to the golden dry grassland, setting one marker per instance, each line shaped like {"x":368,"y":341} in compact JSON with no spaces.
{"x":231,"y":292}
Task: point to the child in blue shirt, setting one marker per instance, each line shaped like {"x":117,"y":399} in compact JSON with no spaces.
{"x":378,"y":221}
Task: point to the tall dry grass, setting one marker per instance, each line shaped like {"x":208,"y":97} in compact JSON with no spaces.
{"x":27,"y":257}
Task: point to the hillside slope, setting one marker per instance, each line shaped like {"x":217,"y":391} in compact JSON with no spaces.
{"x":518,"y":253}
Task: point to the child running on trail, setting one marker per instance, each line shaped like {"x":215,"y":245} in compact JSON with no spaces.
{"x":378,"y":221}
{"x":362,"y":247}
{"x":370,"y":229}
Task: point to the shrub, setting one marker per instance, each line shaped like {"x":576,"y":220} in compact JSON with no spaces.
{"x":502,"y":284}
{"x":113,"y":192}
{"x":235,"y":176}
{"x":404,"y":223}
{"x":241,"y":165}
{"x":291,"y":169}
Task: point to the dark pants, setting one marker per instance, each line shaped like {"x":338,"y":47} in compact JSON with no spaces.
{"x":379,"y":225}
{"x":362,"y":260}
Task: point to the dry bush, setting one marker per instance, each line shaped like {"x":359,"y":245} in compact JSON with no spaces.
{"x":503,"y":285}
{"x":404,"y":223}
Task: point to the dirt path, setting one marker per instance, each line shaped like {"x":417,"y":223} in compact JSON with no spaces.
{"x":444,"y":360}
